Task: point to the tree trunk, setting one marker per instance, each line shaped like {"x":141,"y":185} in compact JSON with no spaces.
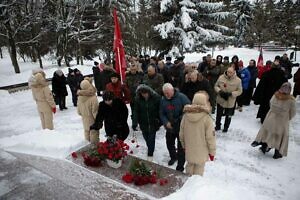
{"x":1,"y":55}
{"x":39,"y":58}
{"x":13,"y":53}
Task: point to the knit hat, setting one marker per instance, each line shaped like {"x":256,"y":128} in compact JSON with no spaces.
{"x":115,"y":75}
{"x":277,"y":58}
{"x":285,"y":88}
{"x":168,"y":58}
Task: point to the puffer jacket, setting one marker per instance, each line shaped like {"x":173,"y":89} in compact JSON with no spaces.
{"x":41,"y":92}
{"x":228,"y":84}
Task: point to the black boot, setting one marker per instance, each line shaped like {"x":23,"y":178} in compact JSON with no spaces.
{"x":277,"y":154}
{"x":264,"y":148}
{"x":255,"y":144}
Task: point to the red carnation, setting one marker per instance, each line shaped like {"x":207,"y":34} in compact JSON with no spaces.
{"x":74,"y":155}
{"x":225,"y":85}
{"x":127,"y":178}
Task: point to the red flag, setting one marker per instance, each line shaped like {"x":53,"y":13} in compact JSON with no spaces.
{"x":119,"y":51}
{"x":260,"y":61}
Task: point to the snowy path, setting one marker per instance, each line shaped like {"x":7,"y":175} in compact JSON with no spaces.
{"x":238,"y":171}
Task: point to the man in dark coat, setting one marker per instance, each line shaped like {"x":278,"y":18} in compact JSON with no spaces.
{"x":113,"y":111}
{"x":59,"y":88}
{"x":146,"y":114}
{"x":97,"y":78}
{"x":74,"y":79}
{"x":286,"y":66}
{"x":270,"y":82}
{"x":196,"y":83}
{"x":296,"y":90}
{"x":154,"y":79}
{"x":171,"y":111}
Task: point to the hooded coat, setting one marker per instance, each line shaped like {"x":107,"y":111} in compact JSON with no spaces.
{"x":87,"y":106}
{"x":197,"y":133}
{"x":43,"y":98}
{"x":146,"y":112}
{"x":275,"y":129}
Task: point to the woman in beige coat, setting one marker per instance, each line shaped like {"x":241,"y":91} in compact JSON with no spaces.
{"x":87,"y":108}
{"x":197,"y":134}
{"x":274,"y":132}
{"x":43,"y":98}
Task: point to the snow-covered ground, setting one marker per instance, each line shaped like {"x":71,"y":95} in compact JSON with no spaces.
{"x":238,"y":172}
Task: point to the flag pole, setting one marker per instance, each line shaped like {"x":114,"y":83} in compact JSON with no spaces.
{"x":120,"y":65}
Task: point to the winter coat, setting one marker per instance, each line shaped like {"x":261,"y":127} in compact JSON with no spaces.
{"x":286,"y":66}
{"x":132,"y":81}
{"x":224,"y":67}
{"x":275,"y":129}
{"x":270,"y":82}
{"x":228,"y":84}
{"x":245,"y":77}
{"x":165,"y":72}
{"x":176,"y":75}
{"x":171,"y":110}
{"x":87,"y":108}
{"x":74,"y":81}
{"x":297,"y":82}
{"x":155,"y":82}
{"x":146,"y":112}
{"x":87,"y":104}
{"x":59,"y":83}
{"x":212,"y":74}
{"x":105,"y":77}
{"x":97,"y":78}
{"x":197,"y":134}
{"x":190,"y":88}
{"x":120,"y":91}
{"x":114,"y":117}
{"x":253,"y":76}
{"x":41,"y":93}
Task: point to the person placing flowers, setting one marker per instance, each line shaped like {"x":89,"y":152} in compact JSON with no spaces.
{"x":197,"y":134}
{"x":114,"y":113}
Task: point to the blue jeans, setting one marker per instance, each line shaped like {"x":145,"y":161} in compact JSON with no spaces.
{"x":150,"y":141}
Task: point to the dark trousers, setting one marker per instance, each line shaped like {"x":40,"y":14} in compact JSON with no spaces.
{"x":74,"y":97}
{"x":149,"y":138}
{"x":227,"y":112}
{"x":248,"y":96}
{"x":240,"y":100}
{"x":61,"y":102}
{"x":171,"y":136}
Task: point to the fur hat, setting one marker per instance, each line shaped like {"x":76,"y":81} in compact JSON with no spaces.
{"x":285,"y":88}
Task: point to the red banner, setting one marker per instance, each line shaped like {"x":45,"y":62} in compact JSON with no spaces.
{"x":119,"y":52}
{"x":260,"y":61}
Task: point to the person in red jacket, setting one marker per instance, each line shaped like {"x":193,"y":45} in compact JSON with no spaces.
{"x":262,"y":70}
{"x":120,"y":91}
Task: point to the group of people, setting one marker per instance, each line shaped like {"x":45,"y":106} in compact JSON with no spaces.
{"x":181,"y":97}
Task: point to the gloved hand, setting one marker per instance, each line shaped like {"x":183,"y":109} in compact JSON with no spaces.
{"x":224,"y":95}
{"x":211,"y":157}
{"x":54,"y":110}
{"x":96,"y":126}
{"x":134,"y":127}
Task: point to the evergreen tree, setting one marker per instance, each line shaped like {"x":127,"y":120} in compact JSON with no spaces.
{"x":242,"y":10}
{"x":192,"y":24}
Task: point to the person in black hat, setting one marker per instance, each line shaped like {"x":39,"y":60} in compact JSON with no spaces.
{"x":114,"y":113}
{"x":168,"y":64}
{"x":120,"y":91}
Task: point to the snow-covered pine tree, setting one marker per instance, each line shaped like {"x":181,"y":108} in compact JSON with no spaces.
{"x":192,"y":24}
{"x":243,"y":14}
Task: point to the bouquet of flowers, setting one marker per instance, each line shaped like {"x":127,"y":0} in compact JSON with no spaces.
{"x":140,"y":174}
{"x":112,"y":149}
